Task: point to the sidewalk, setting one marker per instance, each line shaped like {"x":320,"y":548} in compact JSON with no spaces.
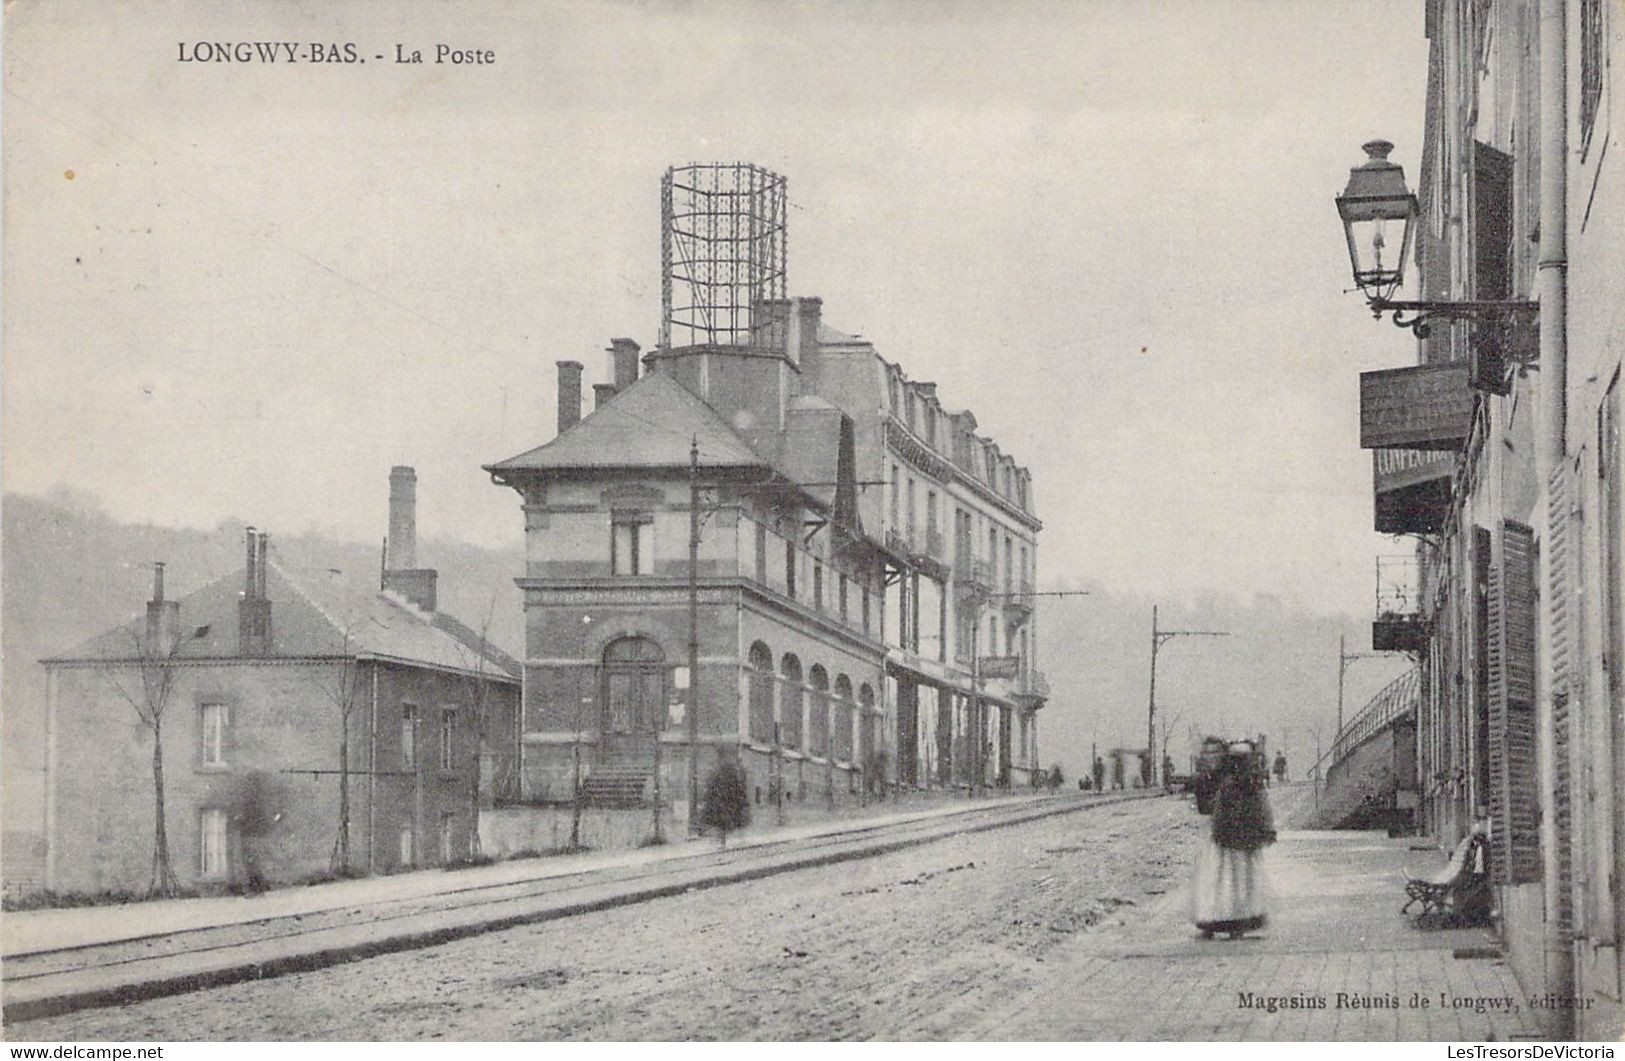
{"x":61,"y":960}
{"x":1338,"y":957}
{"x":35,"y":931}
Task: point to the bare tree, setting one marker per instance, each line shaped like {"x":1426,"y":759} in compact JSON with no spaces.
{"x":342,"y":690}
{"x":477,"y":674}
{"x":158,"y":663}
{"x":1166,"y":725}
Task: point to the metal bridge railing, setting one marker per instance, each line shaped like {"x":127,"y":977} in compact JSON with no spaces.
{"x":1399,"y":697}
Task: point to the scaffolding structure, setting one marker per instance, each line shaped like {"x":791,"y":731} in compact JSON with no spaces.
{"x":722,"y":251}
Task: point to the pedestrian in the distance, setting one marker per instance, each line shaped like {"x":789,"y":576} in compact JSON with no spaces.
{"x":1230,"y":893}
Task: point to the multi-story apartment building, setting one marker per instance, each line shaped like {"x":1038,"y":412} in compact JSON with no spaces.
{"x":956,"y":516}
{"x":726,"y":533}
{"x":1500,"y":452}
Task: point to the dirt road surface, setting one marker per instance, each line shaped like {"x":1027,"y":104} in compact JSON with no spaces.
{"x":911,"y":945}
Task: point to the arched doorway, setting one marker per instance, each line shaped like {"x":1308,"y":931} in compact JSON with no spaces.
{"x":633,"y":698}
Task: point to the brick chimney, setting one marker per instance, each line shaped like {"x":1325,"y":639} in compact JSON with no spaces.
{"x":624,"y":359}
{"x":254,"y":610}
{"x":402,"y":576}
{"x":569,"y":394}
{"x":809,"y":313}
{"x":163,"y":617}
{"x":403,"y":522}
{"x":601,"y":393}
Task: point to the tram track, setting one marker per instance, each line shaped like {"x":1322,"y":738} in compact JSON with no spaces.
{"x":52,"y":980}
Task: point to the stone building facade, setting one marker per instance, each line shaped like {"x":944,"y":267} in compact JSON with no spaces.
{"x":780,"y":453}
{"x":1514,"y":493}
{"x":269,"y":680}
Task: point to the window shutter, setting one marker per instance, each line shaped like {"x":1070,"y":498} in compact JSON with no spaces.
{"x":1514,"y":782}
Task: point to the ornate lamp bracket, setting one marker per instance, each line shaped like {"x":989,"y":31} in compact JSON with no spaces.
{"x":1422,"y":314}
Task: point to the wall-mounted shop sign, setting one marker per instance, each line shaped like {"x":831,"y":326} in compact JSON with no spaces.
{"x":999,"y":667}
{"x":1421,"y":407}
{"x":1412,"y":489}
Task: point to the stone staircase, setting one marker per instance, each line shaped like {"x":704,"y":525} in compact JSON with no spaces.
{"x":1359,"y":791}
{"x":618,"y":785}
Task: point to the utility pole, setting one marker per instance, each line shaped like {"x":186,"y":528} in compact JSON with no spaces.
{"x":973,"y":738}
{"x":1158,"y":637}
{"x":693,"y":713}
{"x":1343,"y":661}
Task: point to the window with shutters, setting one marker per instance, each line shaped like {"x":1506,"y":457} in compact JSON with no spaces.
{"x":1492,"y":223}
{"x":1514,"y":781}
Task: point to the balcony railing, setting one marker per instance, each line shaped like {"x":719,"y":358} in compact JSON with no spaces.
{"x":769,"y":571}
{"x":978,"y":577}
{"x":1399,"y":625}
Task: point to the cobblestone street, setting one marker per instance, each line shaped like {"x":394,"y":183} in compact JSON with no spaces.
{"x":1069,"y":927}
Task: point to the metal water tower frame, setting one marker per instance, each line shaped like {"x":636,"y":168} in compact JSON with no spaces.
{"x":722,"y":255}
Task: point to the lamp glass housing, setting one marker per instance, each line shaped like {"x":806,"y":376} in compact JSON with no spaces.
{"x":1379,"y":221}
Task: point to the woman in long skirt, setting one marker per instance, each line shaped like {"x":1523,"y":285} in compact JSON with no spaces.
{"x":1230,"y":894}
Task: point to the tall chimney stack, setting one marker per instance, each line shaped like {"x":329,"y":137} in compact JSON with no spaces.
{"x":254,"y":610}
{"x":624,"y":355}
{"x":403,"y":521}
{"x":251,"y":566}
{"x":163,"y":616}
{"x":808,"y":312}
{"x":401,"y":573}
{"x":569,"y":394}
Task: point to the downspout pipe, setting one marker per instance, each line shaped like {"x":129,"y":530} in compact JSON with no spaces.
{"x":1551,"y":280}
{"x":1551,"y":277}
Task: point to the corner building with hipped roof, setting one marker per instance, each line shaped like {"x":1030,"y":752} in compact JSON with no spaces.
{"x":859,"y":548}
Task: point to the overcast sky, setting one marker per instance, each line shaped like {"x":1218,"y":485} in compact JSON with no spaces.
{"x":1106,"y":227}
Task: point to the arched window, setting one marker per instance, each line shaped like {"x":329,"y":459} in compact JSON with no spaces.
{"x":790,"y":702}
{"x":866,"y":727}
{"x":634,"y":695}
{"x":842,"y":721}
{"x":759,"y":666}
{"x":818,"y":714}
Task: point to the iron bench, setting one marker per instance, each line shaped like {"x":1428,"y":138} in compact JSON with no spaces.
{"x":1445,"y":890}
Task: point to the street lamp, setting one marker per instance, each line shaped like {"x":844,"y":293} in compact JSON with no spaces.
{"x":1379,"y":218}
{"x":1379,"y":221}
